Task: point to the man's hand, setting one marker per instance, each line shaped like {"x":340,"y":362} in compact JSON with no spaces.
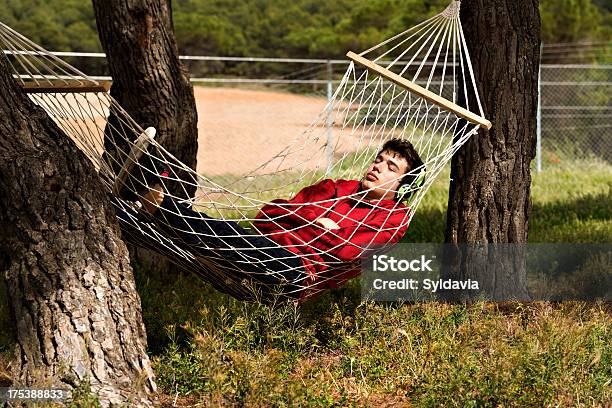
{"x":327,"y":223}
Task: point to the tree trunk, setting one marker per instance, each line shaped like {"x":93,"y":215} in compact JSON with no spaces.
{"x":489,"y":200}
{"x":71,"y":288}
{"x":151,"y":84}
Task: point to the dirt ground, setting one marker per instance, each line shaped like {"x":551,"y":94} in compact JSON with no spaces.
{"x":239,"y":129}
{"x":243,"y":131}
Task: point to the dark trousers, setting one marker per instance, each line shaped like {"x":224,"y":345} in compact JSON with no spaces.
{"x":260,"y":259}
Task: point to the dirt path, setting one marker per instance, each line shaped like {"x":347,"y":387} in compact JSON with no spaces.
{"x":240,"y":129}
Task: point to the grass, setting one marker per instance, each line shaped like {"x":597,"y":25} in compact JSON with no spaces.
{"x":337,"y":351}
{"x":211,"y":350}
{"x":334,"y":350}
{"x":570,"y":204}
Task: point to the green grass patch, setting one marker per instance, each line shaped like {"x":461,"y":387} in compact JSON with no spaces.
{"x":336,"y":351}
{"x":332,"y":352}
{"x":572,"y":204}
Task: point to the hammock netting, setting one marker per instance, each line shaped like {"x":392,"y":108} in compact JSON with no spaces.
{"x":413,"y":86}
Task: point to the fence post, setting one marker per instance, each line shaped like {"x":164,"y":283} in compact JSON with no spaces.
{"x":539,"y":116}
{"x":329,"y":148}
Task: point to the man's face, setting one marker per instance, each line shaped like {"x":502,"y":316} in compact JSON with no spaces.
{"x":384,"y":175}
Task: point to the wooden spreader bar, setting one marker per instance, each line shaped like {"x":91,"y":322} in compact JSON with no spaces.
{"x":420,"y":91}
{"x":70,"y":86}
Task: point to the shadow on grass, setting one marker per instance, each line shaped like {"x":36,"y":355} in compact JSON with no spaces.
{"x":428,"y":225}
{"x":598,"y":206}
{"x":584,"y":219}
{"x":581,"y":219}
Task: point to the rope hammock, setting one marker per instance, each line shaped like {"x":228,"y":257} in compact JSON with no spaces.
{"x":413,"y":86}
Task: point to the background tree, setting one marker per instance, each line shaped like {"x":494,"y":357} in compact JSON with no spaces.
{"x":72,"y":292}
{"x":489,"y":201}
{"x":572,"y":20}
{"x":150,"y":83}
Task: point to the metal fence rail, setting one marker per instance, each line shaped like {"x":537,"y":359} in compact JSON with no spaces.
{"x":576,"y":114}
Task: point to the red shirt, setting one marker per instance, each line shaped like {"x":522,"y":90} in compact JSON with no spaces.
{"x":362,"y":223}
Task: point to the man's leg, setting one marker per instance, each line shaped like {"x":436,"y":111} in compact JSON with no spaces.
{"x":263,"y":259}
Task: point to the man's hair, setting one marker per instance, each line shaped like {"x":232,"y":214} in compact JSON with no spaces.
{"x":405,"y":150}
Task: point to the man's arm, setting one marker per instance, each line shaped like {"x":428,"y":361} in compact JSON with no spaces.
{"x":300,"y":210}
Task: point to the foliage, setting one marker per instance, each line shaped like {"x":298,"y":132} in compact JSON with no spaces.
{"x":573,"y":20}
{"x":301,"y":28}
{"x":58,"y":25}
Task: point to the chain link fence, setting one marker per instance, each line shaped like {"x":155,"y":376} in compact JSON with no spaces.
{"x":575,"y":115}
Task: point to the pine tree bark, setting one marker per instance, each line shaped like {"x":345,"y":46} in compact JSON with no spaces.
{"x":489,"y":202}
{"x":71,"y":289}
{"x":151,"y":84}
